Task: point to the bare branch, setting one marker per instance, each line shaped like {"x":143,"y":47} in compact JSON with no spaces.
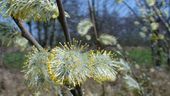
{"x":27,"y":34}
{"x":92,"y":16}
{"x":63,"y":21}
{"x":131,"y":9}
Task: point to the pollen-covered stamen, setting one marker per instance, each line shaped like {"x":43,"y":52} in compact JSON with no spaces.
{"x":75,"y":45}
{"x":68,"y":65}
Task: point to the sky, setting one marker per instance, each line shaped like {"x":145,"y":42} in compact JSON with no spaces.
{"x":111,"y":6}
{"x":122,"y":10}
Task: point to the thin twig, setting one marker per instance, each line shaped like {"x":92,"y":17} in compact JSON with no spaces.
{"x":92,"y":14}
{"x":131,"y":9}
{"x":63,"y":21}
{"x":27,"y":34}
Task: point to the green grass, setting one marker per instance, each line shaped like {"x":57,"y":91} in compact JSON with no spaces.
{"x":140,"y":55}
{"x":14,"y":60}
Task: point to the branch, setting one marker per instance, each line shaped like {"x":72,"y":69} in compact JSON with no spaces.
{"x":27,"y":34}
{"x":131,"y":9}
{"x":63,"y":21}
{"x":92,"y":15}
{"x":165,"y":23}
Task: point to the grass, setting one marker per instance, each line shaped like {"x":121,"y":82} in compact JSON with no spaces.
{"x":14,"y":60}
{"x":141,"y":56}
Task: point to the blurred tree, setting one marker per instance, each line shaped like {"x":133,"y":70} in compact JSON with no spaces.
{"x":152,"y":18}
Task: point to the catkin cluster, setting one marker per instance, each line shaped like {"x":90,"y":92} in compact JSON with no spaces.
{"x":71,"y":65}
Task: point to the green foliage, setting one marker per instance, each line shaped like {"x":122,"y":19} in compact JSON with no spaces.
{"x":14,"y":60}
{"x":155,"y":37}
{"x":39,"y":10}
{"x":141,"y":55}
{"x":7,"y":34}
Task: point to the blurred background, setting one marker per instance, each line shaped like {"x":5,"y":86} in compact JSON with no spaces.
{"x":137,"y":29}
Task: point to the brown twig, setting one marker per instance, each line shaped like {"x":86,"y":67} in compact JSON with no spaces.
{"x":27,"y":34}
{"x":63,"y":21}
{"x":92,"y":16}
